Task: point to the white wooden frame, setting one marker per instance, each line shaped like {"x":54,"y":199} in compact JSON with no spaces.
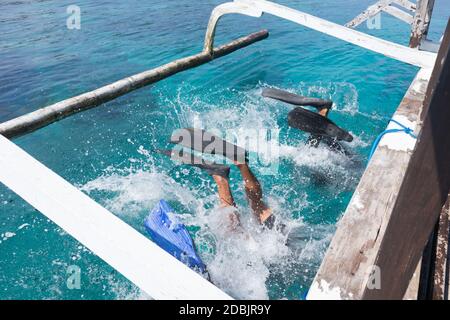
{"x":393,"y":50}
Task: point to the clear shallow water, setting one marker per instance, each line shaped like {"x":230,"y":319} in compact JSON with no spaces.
{"x":107,"y":151}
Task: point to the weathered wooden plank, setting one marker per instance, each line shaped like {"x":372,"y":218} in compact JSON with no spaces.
{"x":441,"y":268}
{"x":421,"y":23}
{"x":42,"y":117}
{"x":350,"y":258}
{"x":424,"y":189}
{"x":397,"y":201}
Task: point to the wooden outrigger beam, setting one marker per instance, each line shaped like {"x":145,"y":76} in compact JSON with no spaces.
{"x":420,"y":22}
{"x":44,"y":116}
{"x":398,"y":200}
{"x":255,"y":8}
{"x":423,"y":59}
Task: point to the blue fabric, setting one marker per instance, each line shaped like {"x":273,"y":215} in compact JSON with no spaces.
{"x":171,"y":235}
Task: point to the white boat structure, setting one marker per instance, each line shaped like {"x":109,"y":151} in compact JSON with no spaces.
{"x":397,"y":208}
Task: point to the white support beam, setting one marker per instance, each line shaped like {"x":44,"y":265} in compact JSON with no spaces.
{"x":370,"y":12}
{"x":399,"y":14}
{"x":408,"y":5}
{"x":385,"y":6}
{"x":393,"y":50}
{"x":133,"y":255}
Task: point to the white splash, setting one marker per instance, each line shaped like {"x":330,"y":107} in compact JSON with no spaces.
{"x":239,"y":263}
{"x":5,"y":236}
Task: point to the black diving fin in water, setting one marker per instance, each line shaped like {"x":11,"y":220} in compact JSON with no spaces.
{"x":187,"y":158}
{"x":206,"y":142}
{"x":316,"y":124}
{"x":295,"y":99}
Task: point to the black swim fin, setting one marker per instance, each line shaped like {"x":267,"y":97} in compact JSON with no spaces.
{"x":188,"y":158}
{"x":316,"y":124}
{"x":205,"y":142}
{"x":295,"y":99}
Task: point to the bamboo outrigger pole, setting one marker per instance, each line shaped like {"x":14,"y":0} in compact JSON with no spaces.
{"x":45,"y":116}
{"x":254,"y":8}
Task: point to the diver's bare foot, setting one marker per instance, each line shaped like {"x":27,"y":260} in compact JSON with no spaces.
{"x":227,"y":201}
{"x":265,"y":215}
{"x":324,"y":112}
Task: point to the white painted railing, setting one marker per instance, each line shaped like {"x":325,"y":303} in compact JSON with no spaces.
{"x":255,"y":8}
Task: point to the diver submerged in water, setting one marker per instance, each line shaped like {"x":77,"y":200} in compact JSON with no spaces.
{"x":205,"y":142}
{"x":173,"y":236}
{"x":317,"y":124}
{"x":176,"y":240}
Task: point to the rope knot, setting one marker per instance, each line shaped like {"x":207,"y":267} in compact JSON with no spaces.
{"x":404,"y":129}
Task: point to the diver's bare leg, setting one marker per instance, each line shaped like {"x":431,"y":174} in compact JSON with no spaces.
{"x":224,"y":191}
{"x":226,"y":199}
{"x":254,"y":193}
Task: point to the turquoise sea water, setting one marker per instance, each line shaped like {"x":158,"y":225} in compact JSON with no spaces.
{"x":106,"y":151}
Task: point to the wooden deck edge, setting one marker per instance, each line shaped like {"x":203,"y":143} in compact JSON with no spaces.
{"x":395,"y":208}
{"x":441,"y":270}
{"x":350,"y":258}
